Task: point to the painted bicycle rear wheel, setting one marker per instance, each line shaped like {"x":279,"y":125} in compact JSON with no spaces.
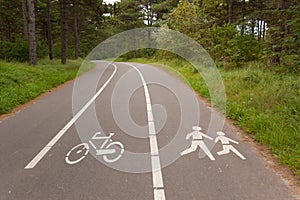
{"x":77,"y":153}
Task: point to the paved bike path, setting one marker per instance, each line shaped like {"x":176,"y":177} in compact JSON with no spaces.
{"x":23,"y":136}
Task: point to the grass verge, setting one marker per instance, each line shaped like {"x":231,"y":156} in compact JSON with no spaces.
{"x":20,"y":83}
{"x":263,"y":103}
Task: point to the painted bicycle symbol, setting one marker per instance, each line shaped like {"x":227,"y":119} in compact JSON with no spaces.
{"x":110,"y":150}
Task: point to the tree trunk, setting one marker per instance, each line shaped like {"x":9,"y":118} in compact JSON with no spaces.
{"x":259,"y":23}
{"x":230,"y":12}
{"x":25,"y":19}
{"x":29,"y":18}
{"x":242,"y":5}
{"x":76,"y":34}
{"x":134,"y":44}
{"x":149,"y":38}
{"x":253,"y":24}
{"x":49,"y":31}
{"x":9,"y":31}
{"x":63,"y":31}
{"x":264,"y":30}
{"x":279,"y":35}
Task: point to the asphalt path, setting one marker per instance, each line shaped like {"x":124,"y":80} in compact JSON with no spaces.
{"x":43,"y":149}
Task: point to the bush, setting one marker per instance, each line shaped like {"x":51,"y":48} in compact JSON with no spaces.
{"x":229,"y":44}
{"x":17,"y":50}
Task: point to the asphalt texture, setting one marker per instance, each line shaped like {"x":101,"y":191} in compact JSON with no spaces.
{"x":121,"y":108}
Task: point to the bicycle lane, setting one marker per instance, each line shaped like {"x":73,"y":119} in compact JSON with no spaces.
{"x":104,"y":182}
{"x":53,"y":178}
{"x":186,"y":178}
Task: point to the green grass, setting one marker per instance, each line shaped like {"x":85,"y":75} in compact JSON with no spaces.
{"x":20,"y":83}
{"x":264,"y":103}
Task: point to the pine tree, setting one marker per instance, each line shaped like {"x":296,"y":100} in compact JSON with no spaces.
{"x":49,"y":30}
{"x":63,"y":30}
{"x":29,"y":15}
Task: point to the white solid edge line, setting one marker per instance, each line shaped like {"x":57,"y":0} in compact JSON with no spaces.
{"x":153,"y":146}
{"x":159,"y":194}
{"x":156,"y":173}
{"x":52,"y":142}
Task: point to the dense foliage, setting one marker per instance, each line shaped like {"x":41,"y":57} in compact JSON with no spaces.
{"x":240,"y":31}
{"x":233,"y":31}
{"x":71,"y":27}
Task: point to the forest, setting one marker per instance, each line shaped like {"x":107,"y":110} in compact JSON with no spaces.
{"x":232,"y":31}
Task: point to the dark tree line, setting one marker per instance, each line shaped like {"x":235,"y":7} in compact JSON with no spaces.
{"x":231,"y":30}
{"x":68,"y":28}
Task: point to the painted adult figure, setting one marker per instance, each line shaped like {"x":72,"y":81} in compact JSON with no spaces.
{"x":198,"y":141}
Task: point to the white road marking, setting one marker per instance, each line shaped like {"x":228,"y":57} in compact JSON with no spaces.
{"x":198,"y":141}
{"x":151,"y":128}
{"x":150,"y":116}
{"x":153,"y":145}
{"x":85,"y":146}
{"x":158,"y":186}
{"x":226,"y":145}
{"x":44,"y":151}
{"x":159,"y":194}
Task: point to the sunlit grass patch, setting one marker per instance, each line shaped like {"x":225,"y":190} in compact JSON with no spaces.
{"x":20,"y":83}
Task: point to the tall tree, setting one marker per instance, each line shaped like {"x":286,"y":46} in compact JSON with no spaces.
{"x":130,"y":16}
{"x":75,"y":25}
{"x":162,"y":7}
{"x":230,"y":11}
{"x":63,"y":30}
{"x":49,"y":30}
{"x":25,"y":16}
{"x":28,"y":13}
{"x":10,"y":19}
{"x":279,"y":34}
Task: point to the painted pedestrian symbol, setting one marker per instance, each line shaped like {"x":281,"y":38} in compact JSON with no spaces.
{"x":111,"y":151}
{"x":226,"y":145}
{"x":198,"y":141}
